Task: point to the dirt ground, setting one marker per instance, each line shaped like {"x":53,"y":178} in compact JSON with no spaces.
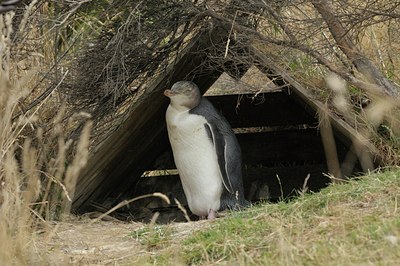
{"x":81,"y":241}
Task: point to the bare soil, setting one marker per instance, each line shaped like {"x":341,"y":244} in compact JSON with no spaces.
{"x":83,"y":241}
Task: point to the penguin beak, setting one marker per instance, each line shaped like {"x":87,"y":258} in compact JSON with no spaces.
{"x":169,"y":93}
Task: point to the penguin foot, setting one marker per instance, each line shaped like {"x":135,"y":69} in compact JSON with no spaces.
{"x":211,"y":215}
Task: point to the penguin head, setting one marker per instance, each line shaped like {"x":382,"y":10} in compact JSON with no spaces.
{"x":184,"y":94}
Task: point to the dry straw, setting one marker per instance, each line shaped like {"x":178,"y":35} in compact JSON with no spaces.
{"x":36,"y":171}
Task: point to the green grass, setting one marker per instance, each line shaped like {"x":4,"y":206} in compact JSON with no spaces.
{"x":153,"y":238}
{"x":357,"y":223}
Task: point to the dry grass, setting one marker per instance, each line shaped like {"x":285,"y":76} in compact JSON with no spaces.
{"x":30,"y":188}
{"x":18,"y":178}
{"x":37,"y":177}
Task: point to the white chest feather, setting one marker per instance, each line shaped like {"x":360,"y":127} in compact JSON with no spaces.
{"x":195,"y":159}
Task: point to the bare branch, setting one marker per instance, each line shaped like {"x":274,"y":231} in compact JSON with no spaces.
{"x":360,"y":61}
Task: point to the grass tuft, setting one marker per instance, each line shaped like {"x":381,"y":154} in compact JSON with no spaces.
{"x":153,"y":238}
{"x":345,"y":224}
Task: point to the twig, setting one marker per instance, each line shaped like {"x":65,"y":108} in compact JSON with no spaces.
{"x":280,"y":187}
{"x":16,"y":134}
{"x":126,"y":202}
{"x":229,"y":35}
{"x":305,"y":187}
{"x":183,"y":210}
{"x":38,"y":215}
{"x":72,"y":11}
{"x":59,"y":183}
{"x":153,"y":221}
{"x":338,"y":180}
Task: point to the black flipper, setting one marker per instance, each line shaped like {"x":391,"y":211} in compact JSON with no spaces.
{"x":219,"y":143}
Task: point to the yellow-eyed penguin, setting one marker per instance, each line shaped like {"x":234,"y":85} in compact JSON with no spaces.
{"x":206,"y":152}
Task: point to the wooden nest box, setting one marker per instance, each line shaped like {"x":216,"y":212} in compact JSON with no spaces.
{"x":289,"y":142}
